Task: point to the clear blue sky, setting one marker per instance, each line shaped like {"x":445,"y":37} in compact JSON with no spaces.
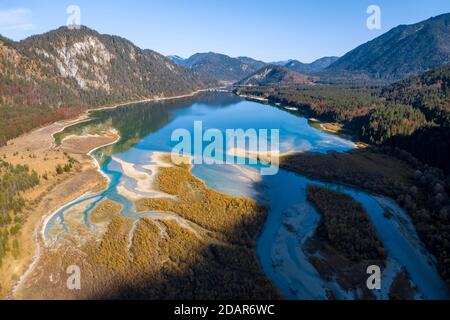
{"x":264,"y":29}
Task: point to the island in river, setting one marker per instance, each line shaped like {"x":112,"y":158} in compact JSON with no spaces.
{"x":155,"y":230}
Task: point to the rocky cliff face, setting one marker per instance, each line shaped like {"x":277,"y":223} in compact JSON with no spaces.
{"x":110,"y":64}
{"x":56,"y":75}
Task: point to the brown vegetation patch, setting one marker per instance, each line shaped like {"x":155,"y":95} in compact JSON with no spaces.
{"x":211,"y":210}
{"x":401,"y":288}
{"x":345,"y":239}
{"x":371,"y":170}
{"x":84,"y":144}
{"x":161,"y":258}
{"x":63,"y":177}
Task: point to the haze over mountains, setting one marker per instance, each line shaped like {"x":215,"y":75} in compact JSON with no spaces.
{"x":222,"y":68}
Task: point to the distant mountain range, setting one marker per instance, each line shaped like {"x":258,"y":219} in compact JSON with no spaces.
{"x":224,"y":69}
{"x":281,"y":63}
{"x":219,"y":67}
{"x":274,"y":75}
{"x":311,"y":68}
{"x":403,"y":51}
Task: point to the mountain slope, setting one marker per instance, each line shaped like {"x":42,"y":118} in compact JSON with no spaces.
{"x":57,"y":74}
{"x":281,"y":63}
{"x":403,"y":51}
{"x":107,"y":63}
{"x":429,"y":95}
{"x":274,"y":75}
{"x":313,"y":67}
{"x":221,"y":68}
{"x":430,"y":92}
{"x":177,"y":59}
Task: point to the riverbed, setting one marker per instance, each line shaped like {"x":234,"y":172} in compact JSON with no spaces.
{"x":146,"y":131}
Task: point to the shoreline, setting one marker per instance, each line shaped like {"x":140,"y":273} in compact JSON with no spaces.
{"x":321,"y":125}
{"x":47,"y":217}
{"x":97,"y":164}
{"x":39,"y":232}
{"x":84,"y":117}
{"x":193,"y":234}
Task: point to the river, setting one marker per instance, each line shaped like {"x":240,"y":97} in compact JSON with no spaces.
{"x":147,"y":128}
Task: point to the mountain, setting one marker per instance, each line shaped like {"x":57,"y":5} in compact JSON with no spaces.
{"x":403,"y":51}
{"x":58,"y":74}
{"x":274,"y":75}
{"x":177,"y":59}
{"x":429,"y":95}
{"x":221,"y":68}
{"x":281,"y":63}
{"x":313,"y":67}
{"x":430,"y":92}
{"x":107,"y":63}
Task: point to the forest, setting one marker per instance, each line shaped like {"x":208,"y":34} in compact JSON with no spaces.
{"x":13,"y":181}
{"x":423,"y":191}
{"x":406,"y":114}
{"x":345,"y":224}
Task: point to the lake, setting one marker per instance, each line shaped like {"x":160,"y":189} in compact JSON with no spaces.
{"x":147,"y":128}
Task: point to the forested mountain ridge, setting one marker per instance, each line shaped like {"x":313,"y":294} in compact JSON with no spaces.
{"x":221,"y":68}
{"x":177,"y":59}
{"x":404,"y":51}
{"x":312,"y":67}
{"x":57,"y":74}
{"x":429,"y":92}
{"x":108,"y":63}
{"x":274,"y":75}
{"x":428,"y":96}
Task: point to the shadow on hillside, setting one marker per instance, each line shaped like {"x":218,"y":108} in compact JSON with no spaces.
{"x":198,"y":272}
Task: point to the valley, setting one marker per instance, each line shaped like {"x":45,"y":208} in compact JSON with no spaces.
{"x":89,"y":177}
{"x":67,"y":238}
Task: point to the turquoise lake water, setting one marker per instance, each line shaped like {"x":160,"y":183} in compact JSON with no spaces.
{"x":147,"y":128}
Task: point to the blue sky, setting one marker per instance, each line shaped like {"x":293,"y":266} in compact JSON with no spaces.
{"x":266,"y":29}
